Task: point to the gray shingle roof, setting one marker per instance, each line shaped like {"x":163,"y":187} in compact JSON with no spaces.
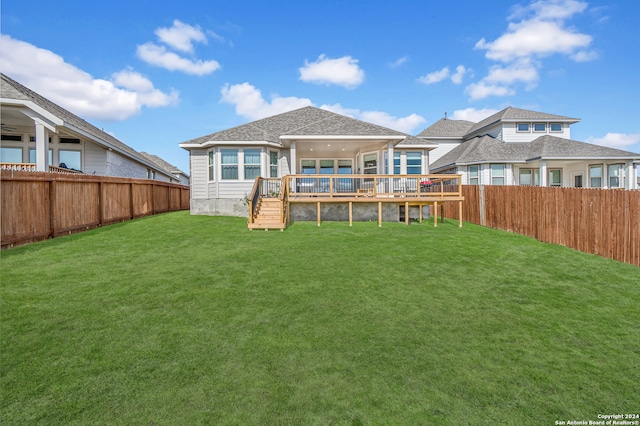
{"x":514,"y":114}
{"x":11,"y":89}
{"x":488,"y":149}
{"x":447,"y":128}
{"x":307,"y":121}
{"x":162,"y":163}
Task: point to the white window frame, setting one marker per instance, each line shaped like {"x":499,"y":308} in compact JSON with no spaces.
{"x":496,"y":176}
{"x":550,"y":174}
{"x":236,"y":164}
{"x":477,"y":177}
{"x":407,"y":166}
{"x":375,"y":168}
{"x":544,"y":127}
{"x":591,"y":177}
{"x":620,"y":167}
{"x":245,"y":164}
{"x":535,"y":177}
{"x":556,"y":131}
{"x":211,"y":165}
{"x":276,"y":165}
{"x":523,"y":124}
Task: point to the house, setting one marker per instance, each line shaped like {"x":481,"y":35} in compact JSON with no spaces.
{"x":522,"y":147}
{"x":304,"y":142}
{"x":181,"y":176}
{"x":39,"y":135}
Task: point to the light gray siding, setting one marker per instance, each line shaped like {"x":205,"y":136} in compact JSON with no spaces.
{"x":119,"y":165}
{"x":199,"y":174}
{"x":95,"y":159}
{"x":444,"y":146}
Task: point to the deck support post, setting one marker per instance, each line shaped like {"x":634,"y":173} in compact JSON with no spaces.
{"x":379,"y":214}
{"x":435,"y":214}
{"x":350,"y":213}
{"x":406,"y":212}
{"x":318,"y":213}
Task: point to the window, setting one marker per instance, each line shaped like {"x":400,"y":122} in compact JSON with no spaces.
{"x":414,"y":163}
{"x":396,"y":162}
{"x":615,"y":173}
{"x":344,"y":167}
{"x":308,"y":167}
{"x":539,"y":127}
{"x":71,"y":159}
{"x":326,"y":167}
{"x":251,"y":164}
{"x":522,"y":127}
{"x":32,"y":156}
{"x":212,"y":175}
{"x":151,"y":174}
{"x":229,"y":164}
{"x":529,"y":177}
{"x":11,"y":155}
{"x":13,"y":138}
{"x":577,"y":181}
{"x":474,"y":176}
{"x":595,"y":176}
{"x":69,"y":140}
{"x":555,"y":177}
{"x":371,"y":164}
{"x":555,"y":127}
{"x":273,"y":164}
{"x":497,"y":174}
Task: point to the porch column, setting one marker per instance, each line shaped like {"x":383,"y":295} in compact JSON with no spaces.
{"x":543,"y":173}
{"x":631,"y":175}
{"x":264,"y":163}
{"x":292,"y":155}
{"x":390,"y":158}
{"x":42,"y":148}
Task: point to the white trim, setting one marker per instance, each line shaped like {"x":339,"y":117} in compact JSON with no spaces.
{"x":341,"y":137}
{"x":208,"y":144}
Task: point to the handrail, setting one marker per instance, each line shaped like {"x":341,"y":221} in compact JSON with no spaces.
{"x":253,"y":199}
{"x":25,"y":167}
{"x":382,"y":186}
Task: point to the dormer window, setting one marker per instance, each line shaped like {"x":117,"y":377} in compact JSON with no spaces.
{"x":555,"y":127}
{"x":539,"y":127}
{"x":523,"y":127}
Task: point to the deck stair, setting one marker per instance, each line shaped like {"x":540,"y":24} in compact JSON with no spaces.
{"x":269,"y":214}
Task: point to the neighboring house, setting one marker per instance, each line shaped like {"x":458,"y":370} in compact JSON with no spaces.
{"x":521,"y":147}
{"x":181,"y":176}
{"x":224,"y":165}
{"x":37,"y":133}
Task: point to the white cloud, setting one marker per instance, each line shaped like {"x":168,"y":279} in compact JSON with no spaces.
{"x":617,"y":140}
{"x":250,"y":103}
{"x":541,"y":32}
{"x":159,"y":56}
{"x":435,"y":77}
{"x":76,"y":90}
{"x":181,"y":36}
{"x":550,"y":9}
{"x":398,"y":62}
{"x":443,"y":74}
{"x":341,"y":71}
{"x":472,"y":114}
{"x":482,"y":89}
{"x":534,"y":38}
{"x":460,"y":72}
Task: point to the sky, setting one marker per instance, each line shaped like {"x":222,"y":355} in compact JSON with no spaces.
{"x":157,"y":73}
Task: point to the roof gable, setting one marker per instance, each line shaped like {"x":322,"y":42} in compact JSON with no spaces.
{"x":307,"y":121}
{"x":447,"y":128}
{"x":511,"y":114}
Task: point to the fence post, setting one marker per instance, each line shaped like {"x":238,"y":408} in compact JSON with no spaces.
{"x":482,"y":201}
{"x":52,"y":204}
{"x":101,"y":203}
{"x":132,"y":209}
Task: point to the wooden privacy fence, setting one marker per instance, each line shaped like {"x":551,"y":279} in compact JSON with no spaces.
{"x":605,"y":222}
{"x":38,"y":205}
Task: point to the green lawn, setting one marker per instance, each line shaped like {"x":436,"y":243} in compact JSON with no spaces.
{"x":178,"y":319}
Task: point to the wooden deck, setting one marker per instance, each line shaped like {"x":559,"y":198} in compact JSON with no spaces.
{"x":404,"y":190}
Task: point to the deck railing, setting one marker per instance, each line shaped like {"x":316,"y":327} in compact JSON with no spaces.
{"x":378,"y":186}
{"x":264,"y":188}
{"x":21,"y":167}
